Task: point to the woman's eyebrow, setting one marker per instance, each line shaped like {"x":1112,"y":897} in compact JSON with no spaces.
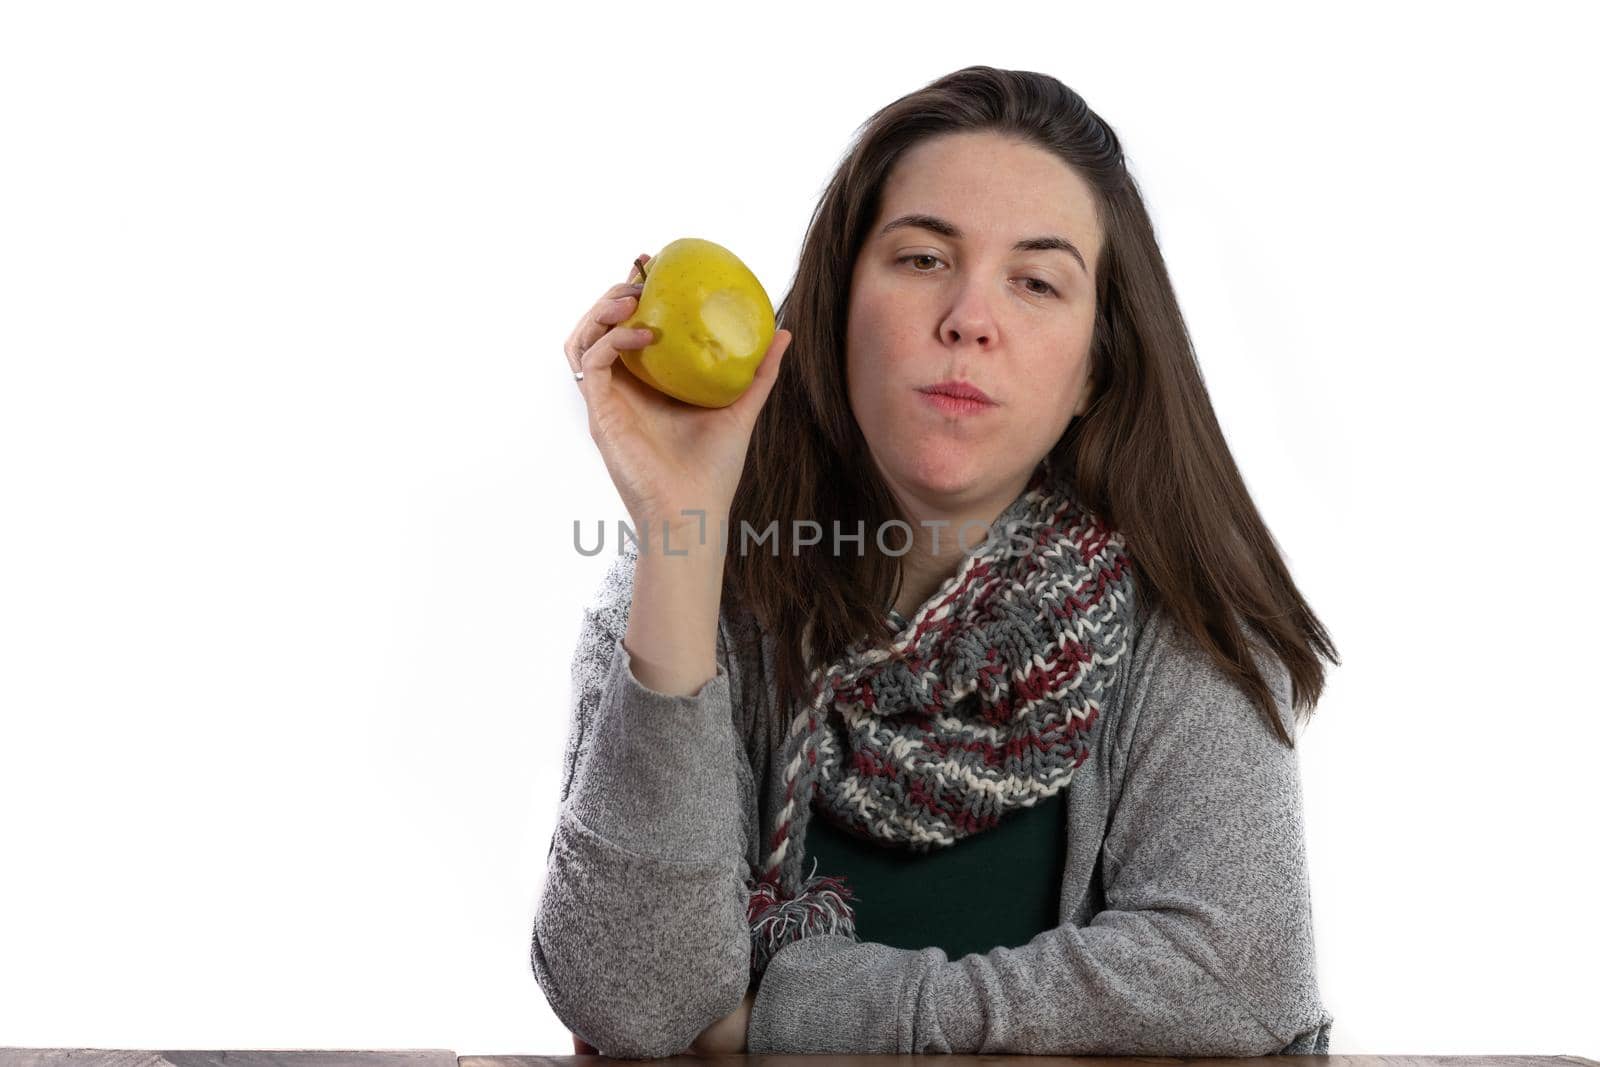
{"x":945,"y":228}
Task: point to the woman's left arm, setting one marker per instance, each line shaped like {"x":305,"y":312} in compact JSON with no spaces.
{"x":1205,"y":946}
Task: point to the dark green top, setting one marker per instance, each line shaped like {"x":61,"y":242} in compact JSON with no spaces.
{"x":998,"y":887}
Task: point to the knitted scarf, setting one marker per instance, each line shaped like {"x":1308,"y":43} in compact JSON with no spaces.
{"x":984,"y":702}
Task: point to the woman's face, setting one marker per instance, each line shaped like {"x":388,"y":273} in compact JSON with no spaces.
{"x":967,"y":305}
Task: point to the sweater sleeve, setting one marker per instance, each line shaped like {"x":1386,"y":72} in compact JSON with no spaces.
{"x":640,"y":939}
{"x":1204,"y":947}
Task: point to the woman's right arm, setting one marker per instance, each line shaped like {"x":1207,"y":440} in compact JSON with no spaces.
{"x":640,"y":938}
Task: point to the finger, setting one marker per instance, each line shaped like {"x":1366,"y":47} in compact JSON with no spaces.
{"x":614,"y":305}
{"x":606,"y":313}
{"x":603,"y":353}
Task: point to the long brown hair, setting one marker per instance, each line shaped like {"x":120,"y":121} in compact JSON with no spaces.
{"x":1147,"y":456}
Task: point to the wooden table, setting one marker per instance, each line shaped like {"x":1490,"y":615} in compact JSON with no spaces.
{"x":93,"y":1057}
{"x":445,"y":1058}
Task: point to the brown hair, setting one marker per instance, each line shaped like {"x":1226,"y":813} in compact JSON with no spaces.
{"x":1148,"y":456}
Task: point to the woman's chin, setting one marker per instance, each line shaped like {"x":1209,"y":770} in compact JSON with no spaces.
{"x":935,"y":474}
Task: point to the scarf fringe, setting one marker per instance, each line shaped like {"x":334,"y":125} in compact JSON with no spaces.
{"x":821,"y":906}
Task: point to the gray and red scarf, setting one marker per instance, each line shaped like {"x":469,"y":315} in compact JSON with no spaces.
{"x":983,"y":703}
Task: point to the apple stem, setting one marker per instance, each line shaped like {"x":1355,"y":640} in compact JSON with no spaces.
{"x":638,"y":265}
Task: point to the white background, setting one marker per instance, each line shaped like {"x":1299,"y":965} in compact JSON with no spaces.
{"x":289,"y":459}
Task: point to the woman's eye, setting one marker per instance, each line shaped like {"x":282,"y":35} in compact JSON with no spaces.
{"x":1049,"y":290}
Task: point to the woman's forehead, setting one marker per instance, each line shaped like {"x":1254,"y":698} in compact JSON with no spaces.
{"x":1017,"y":195}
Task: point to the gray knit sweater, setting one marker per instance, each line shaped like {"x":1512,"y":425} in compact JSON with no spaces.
{"x":1186,"y":912}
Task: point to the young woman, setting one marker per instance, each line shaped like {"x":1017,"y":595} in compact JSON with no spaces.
{"x":1002,"y":762}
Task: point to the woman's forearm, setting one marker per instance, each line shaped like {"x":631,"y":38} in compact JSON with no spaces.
{"x":677,"y":599}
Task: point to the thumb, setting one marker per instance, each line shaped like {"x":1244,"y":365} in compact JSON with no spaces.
{"x":766,"y":375}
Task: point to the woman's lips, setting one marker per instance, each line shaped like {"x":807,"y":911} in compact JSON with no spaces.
{"x":955,"y":405}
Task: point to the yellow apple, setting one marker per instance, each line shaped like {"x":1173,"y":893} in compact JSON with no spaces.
{"x":711,"y":319}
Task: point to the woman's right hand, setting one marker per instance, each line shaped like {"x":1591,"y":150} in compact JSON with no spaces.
{"x":663,"y":454}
